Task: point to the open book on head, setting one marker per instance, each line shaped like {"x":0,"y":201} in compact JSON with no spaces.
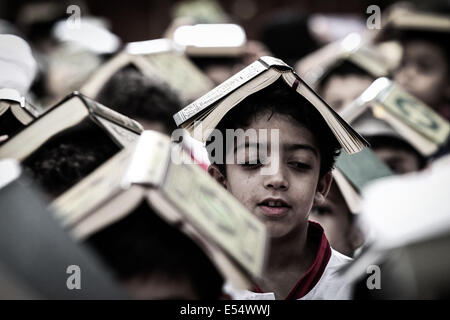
{"x":156,"y":172}
{"x":315,"y":67}
{"x":209,"y":110}
{"x":70,"y":140}
{"x":160,"y":60}
{"x":74,"y":110}
{"x":405,"y":19}
{"x":417,"y":123}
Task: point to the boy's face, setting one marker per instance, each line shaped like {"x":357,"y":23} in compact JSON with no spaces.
{"x":398,"y":160}
{"x":284,"y":199}
{"x":340,"y":90}
{"x":423,"y":71}
{"x":334,"y":216}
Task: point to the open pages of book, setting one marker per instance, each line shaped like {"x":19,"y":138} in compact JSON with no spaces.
{"x":207,"y":111}
{"x":160,"y":60}
{"x":179,"y":191}
{"x":417,"y":123}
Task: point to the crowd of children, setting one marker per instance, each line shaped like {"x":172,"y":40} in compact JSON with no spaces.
{"x":213,"y":215}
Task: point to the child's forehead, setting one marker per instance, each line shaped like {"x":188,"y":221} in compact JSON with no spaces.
{"x":272,"y":119}
{"x":290,"y":131}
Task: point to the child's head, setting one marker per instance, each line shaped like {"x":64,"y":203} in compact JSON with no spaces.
{"x":396,"y":153}
{"x":154,"y":260}
{"x":69,"y":156}
{"x":150,"y":103}
{"x":306,"y":155}
{"x":343,"y":85}
{"x":338,"y":222}
{"x":389,"y":146}
{"x":424,"y":68}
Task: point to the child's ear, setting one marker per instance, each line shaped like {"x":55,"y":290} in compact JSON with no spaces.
{"x":323,"y":187}
{"x":214,"y":172}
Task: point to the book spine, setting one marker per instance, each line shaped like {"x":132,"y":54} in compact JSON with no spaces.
{"x":150,"y":160}
{"x":121,"y":135}
{"x":230,"y":85}
{"x":113,"y":116}
{"x":31,"y":109}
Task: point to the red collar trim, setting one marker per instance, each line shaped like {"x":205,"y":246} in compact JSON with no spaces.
{"x":314,"y":273}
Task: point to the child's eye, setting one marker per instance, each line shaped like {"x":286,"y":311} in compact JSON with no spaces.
{"x":299,"y":165}
{"x":251,"y":164}
{"x":425,"y":66}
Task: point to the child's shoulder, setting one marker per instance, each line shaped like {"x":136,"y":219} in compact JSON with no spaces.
{"x":331,"y":285}
{"x":337,"y":259}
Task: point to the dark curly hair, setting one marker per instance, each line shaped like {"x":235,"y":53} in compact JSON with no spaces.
{"x":278,"y":98}
{"x":131,"y":93}
{"x":68,"y":157}
{"x":344,"y":68}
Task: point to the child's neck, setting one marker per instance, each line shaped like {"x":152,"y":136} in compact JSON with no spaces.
{"x":289,"y":259}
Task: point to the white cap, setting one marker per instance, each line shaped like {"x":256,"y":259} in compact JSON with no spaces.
{"x":91,"y":34}
{"x":17,"y":65}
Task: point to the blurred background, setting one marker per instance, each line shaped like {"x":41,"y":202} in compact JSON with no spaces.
{"x":343,"y":49}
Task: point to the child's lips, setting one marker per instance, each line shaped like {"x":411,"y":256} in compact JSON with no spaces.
{"x":274,"y":207}
{"x":274,"y":212}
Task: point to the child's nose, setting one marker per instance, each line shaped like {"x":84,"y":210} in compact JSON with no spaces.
{"x":277,"y":181}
